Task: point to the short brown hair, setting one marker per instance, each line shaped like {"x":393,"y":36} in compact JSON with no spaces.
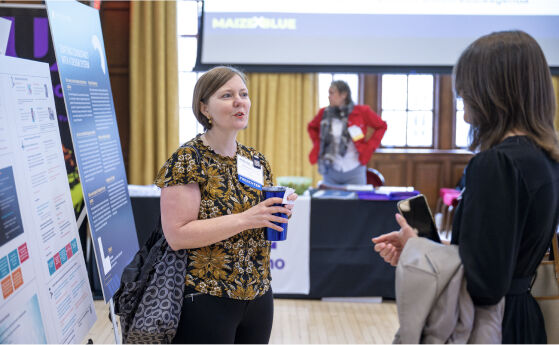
{"x":207,"y":85}
{"x":504,"y":79}
{"x":342,"y":87}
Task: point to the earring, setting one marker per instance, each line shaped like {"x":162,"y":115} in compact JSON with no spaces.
{"x":209,"y":121}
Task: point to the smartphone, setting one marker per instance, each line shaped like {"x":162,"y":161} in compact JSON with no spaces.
{"x":418,"y":215}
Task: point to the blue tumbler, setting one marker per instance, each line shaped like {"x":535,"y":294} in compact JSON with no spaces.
{"x":271,"y":234}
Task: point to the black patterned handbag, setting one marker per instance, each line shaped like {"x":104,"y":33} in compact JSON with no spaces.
{"x":149,"y":299}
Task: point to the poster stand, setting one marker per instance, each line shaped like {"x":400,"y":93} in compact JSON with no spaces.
{"x":111,"y":303}
{"x":81,"y":217}
{"x":113,"y":319}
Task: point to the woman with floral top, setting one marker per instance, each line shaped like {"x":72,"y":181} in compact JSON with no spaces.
{"x":208,"y":211}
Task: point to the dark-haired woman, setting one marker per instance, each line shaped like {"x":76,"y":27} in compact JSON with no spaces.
{"x":510,"y":206}
{"x":338,"y":133}
{"x":207,"y":210}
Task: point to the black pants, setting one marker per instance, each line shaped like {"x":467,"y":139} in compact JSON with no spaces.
{"x":208,"y":319}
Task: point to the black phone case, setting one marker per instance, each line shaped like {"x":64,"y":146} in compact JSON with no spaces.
{"x":419,"y":216}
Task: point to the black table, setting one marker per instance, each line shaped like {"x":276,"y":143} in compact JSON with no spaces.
{"x":342,"y":259}
{"x":146,"y":212}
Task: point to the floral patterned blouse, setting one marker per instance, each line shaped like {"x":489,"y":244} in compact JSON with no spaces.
{"x":238,"y":267}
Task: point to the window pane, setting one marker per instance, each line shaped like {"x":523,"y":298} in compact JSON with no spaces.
{"x":324,"y":81}
{"x":187,"y":53}
{"x":396,"y":133}
{"x":352,"y":80}
{"x":187,"y":17}
{"x":187,"y":24}
{"x":188,"y":125}
{"x":420,"y":91}
{"x":459,"y":103}
{"x":420,"y":128}
{"x":394,"y":91}
{"x":462,"y":127}
{"x":187,"y":80}
{"x":462,"y":130}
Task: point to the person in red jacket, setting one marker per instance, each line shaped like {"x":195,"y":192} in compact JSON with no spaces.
{"x":338,"y":133}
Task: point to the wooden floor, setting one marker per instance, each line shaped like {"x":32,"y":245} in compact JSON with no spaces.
{"x":304,"y":322}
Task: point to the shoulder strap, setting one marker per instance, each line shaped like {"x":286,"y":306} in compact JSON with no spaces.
{"x":555,"y":249}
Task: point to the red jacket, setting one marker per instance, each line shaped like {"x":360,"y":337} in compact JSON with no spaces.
{"x":361,"y":116}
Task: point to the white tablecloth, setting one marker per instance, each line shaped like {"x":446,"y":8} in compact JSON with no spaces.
{"x":290,"y":258}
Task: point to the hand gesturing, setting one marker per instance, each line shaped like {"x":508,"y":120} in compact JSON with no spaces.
{"x":390,"y":245}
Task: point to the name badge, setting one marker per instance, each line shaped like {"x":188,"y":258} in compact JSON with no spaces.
{"x":355,"y":132}
{"x":249,"y":174}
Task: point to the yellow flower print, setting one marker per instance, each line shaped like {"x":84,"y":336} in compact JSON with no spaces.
{"x":191,"y":164}
{"x":214,"y":212}
{"x":203,"y":287}
{"x":238,"y":207}
{"x":264,"y":266}
{"x":238,"y":267}
{"x":209,"y":262}
{"x":240,"y":292}
{"x":214,"y":184}
{"x":250,"y":267}
{"x":207,"y":203}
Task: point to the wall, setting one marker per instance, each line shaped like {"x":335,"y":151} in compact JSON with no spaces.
{"x":428,"y":172}
{"x":428,"y":169}
{"x":115,"y":21}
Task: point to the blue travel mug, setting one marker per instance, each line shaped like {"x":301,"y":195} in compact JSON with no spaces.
{"x":271,"y":234}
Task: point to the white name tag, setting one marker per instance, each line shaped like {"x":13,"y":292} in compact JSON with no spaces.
{"x":248,"y":174}
{"x":355,"y":132}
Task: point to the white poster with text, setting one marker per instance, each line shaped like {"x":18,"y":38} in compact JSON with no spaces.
{"x":45,"y":295}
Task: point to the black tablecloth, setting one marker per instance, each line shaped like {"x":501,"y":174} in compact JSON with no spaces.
{"x":343,"y":262}
{"x":146,"y":212}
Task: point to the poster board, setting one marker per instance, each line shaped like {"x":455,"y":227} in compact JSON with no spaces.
{"x":29,"y":38}
{"x":45,"y":295}
{"x":84,"y":76}
{"x":4,"y":34}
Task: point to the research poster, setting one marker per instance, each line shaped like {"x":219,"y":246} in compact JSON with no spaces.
{"x":45,"y":293}
{"x":29,"y":38}
{"x":4,"y":34}
{"x":84,"y":75}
